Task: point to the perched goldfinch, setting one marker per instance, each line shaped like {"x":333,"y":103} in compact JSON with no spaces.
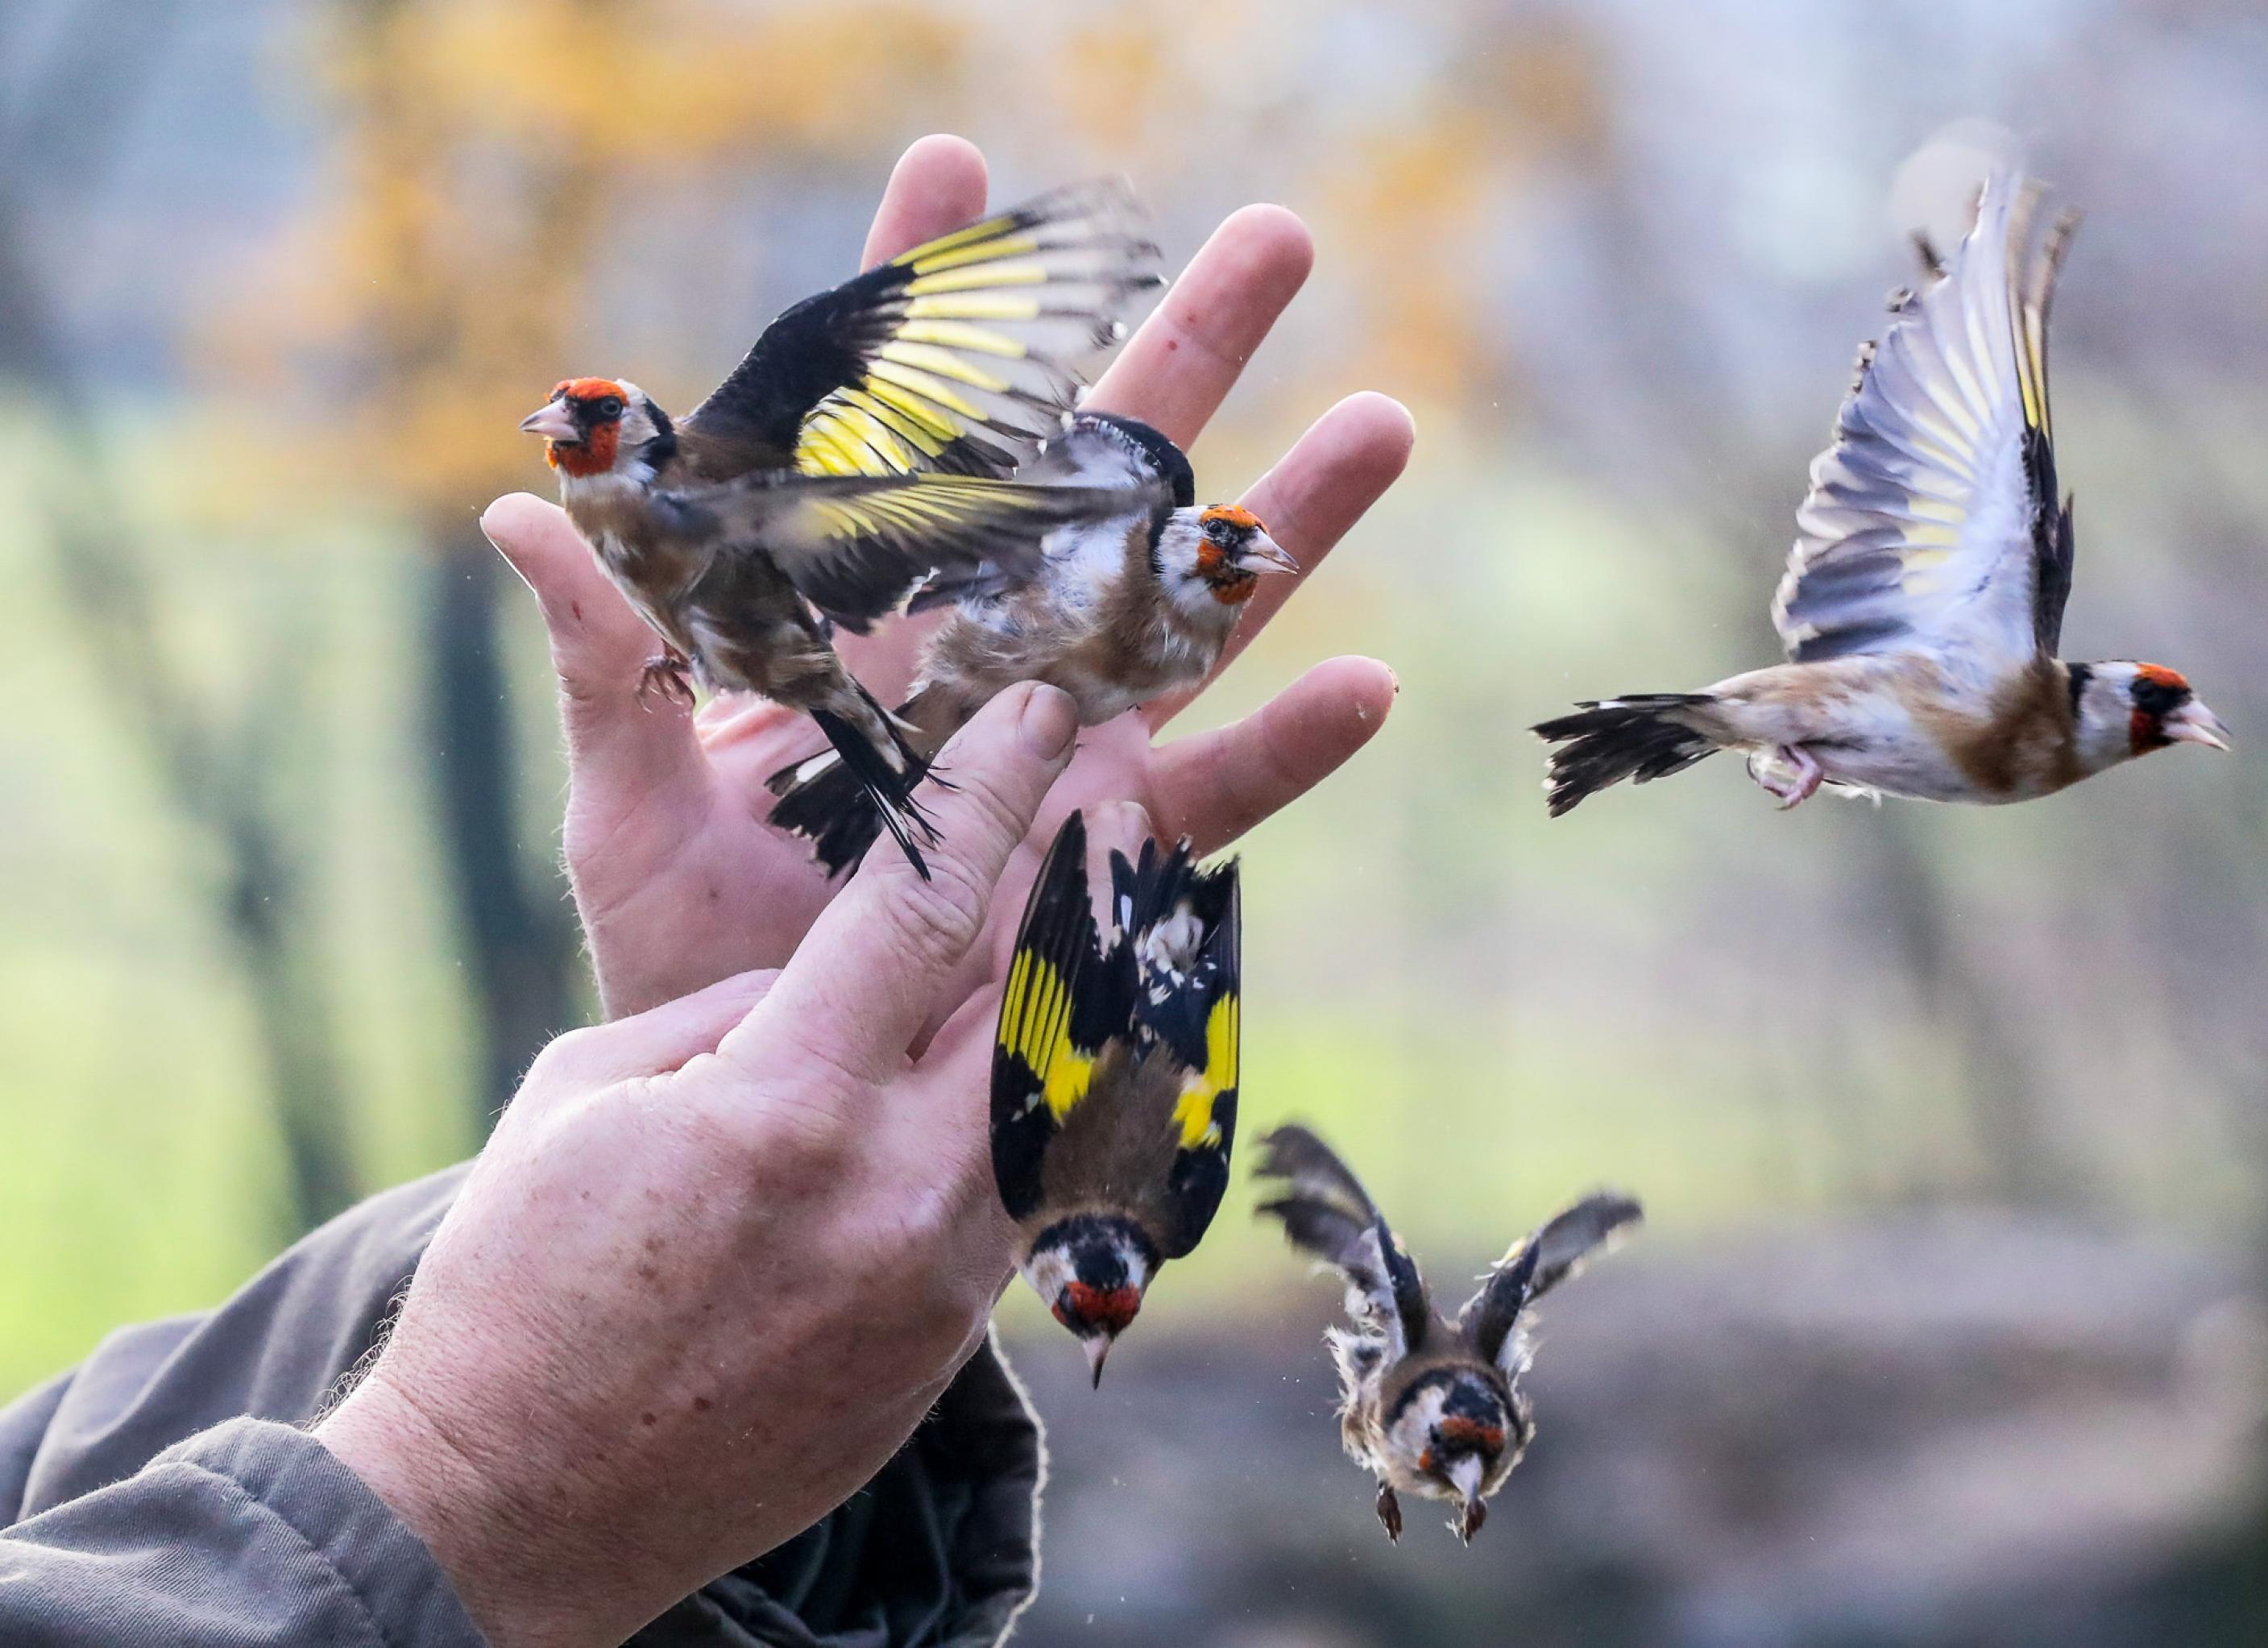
{"x":1923,"y":602}
{"x":1428,"y":1405}
{"x":1114,"y":1079}
{"x":858,"y":448}
{"x":1127,"y":603}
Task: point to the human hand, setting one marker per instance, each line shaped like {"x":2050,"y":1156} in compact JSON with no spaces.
{"x":679,"y":878}
{"x":717,"y":1260}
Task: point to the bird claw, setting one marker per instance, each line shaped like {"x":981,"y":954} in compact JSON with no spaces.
{"x":1389,"y":1513}
{"x":1788,"y":773}
{"x":668,"y":676}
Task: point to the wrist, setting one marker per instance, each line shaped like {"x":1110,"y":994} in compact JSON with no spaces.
{"x":520,"y":1594}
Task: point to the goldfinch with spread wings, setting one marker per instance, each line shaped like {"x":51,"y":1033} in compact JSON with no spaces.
{"x":1431,"y":1405}
{"x":1923,"y":602}
{"x":860,"y":447}
{"x":1127,"y":603}
{"x":1114,"y":1078}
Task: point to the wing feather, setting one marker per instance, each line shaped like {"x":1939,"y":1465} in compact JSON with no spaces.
{"x":1538,"y":1263}
{"x":1328,"y":1214}
{"x":963,"y":355}
{"x":1933,"y":520}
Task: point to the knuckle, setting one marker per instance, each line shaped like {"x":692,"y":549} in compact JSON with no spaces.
{"x":936,"y":920}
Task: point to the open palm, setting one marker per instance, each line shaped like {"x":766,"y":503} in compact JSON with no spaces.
{"x":679,"y":878}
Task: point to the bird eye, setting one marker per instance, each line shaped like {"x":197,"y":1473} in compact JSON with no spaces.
{"x":610,"y":407}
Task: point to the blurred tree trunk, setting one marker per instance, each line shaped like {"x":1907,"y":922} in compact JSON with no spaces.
{"x":60,"y":135}
{"x":516,"y":925}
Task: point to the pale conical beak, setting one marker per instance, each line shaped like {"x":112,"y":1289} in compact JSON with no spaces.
{"x":1098,"y":1350}
{"x":2194,"y":724}
{"x":1465,"y":1477}
{"x":553,"y":421}
{"x":1263,"y":554}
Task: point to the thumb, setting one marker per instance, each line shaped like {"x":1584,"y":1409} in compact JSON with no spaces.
{"x":599,"y":648}
{"x":873,"y":966}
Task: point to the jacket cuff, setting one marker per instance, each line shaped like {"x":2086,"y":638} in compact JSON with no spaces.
{"x":301,"y":1483}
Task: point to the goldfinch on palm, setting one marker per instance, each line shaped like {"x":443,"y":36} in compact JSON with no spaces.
{"x":861,"y":446}
{"x":1923,"y":602}
{"x":1430,"y":1404}
{"x":1114,"y":1078}
{"x":1127,"y":604}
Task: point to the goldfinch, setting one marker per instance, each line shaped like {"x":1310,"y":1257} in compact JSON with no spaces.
{"x":1127,"y":603}
{"x":1114,"y":1079}
{"x":1428,"y":1405}
{"x":862,"y":446}
{"x":1923,"y":602}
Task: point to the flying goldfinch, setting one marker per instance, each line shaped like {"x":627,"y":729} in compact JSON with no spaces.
{"x":1114,"y":1078}
{"x":1923,"y":602}
{"x":1127,"y":604}
{"x":861,"y":446}
{"x":1430,"y":1405}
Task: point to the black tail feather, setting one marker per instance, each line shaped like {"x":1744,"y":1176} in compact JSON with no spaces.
{"x":1607,"y":741}
{"x":844,"y":808}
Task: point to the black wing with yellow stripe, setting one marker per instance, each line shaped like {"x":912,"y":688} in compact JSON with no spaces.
{"x":962,"y":355}
{"x":1056,"y":1014}
{"x":855,"y":545}
{"x":1179,"y":953}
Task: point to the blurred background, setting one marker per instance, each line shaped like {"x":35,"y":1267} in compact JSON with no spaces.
{"x":1949,"y":1326}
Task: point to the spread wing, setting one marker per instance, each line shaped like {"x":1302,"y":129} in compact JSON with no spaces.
{"x":854,"y":546}
{"x":1057,"y":1011}
{"x":1327,"y":1212}
{"x":962,"y":355}
{"x":1537,"y":1264}
{"x":1148,"y":475}
{"x":1933,"y":520}
{"x":1178,"y":957}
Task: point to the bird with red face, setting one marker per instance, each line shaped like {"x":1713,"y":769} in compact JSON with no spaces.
{"x":1114,"y":1078}
{"x":1430,"y":1404}
{"x":1923,"y":603}
{"x":866,"y":443}
{"x":1127,"y":603}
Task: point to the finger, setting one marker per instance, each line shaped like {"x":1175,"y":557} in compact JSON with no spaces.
{"x":1216,"y":786}
{"x":600,"y":648}
{"x":1333,"y":474}
{"x":938,"y":185}
{"x":873,"y":966}
{"x":1175,"y":370}
{"x":661,"y":1040}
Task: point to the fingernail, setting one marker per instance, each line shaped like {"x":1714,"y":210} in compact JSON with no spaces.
{"x":1050,"y":721}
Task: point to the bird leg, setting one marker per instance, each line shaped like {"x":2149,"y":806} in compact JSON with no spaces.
{"x":1788,"y":773}
{"x":1389,"y":1512}
{"x":668,"y":674}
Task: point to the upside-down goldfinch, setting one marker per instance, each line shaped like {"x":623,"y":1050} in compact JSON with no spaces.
{"x":1114,"y":1078}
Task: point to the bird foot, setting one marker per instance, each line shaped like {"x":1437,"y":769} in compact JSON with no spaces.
{"x":1470,"y":1519}
{"x":668,"y":676}
{"x":1788,"y":773}
{"x":1389,"y":1513}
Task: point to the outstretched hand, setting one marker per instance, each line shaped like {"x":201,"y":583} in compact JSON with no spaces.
{"x":717,"y":1259}
{"x":679,"y":878}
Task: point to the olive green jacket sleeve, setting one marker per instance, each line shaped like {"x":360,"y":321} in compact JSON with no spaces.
{"x":164,"y":1492}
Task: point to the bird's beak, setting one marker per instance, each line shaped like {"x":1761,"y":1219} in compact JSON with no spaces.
{"x":553,"y":421}
{"x":1263,"y":554}
{"x":1098,"y":1349}
{"x":1465,"y":1477}
{"x":2194,"y":724}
